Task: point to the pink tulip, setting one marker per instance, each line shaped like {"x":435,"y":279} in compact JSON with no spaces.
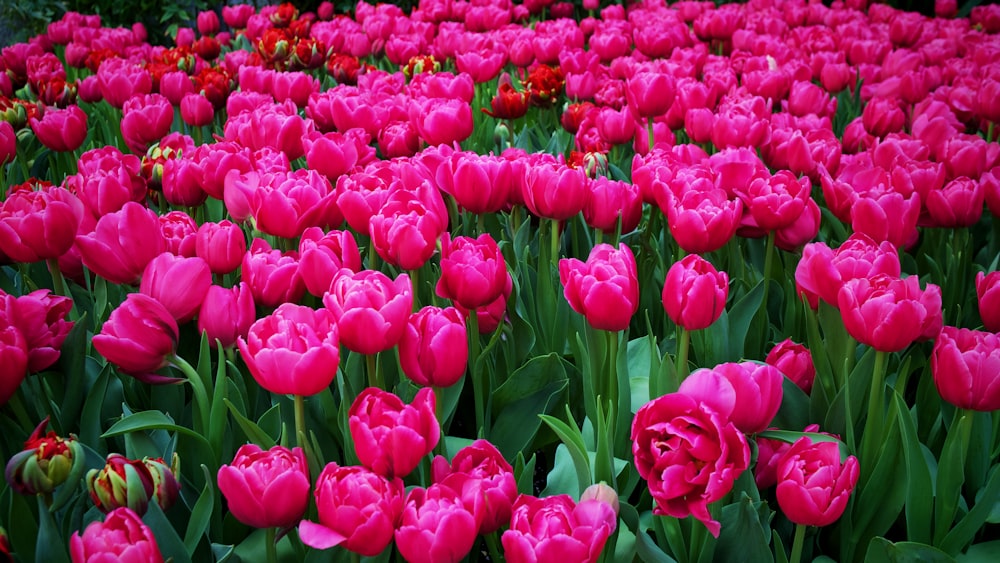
{"x":196,"y":110}
{"x":821,"y":272}
{"x":405,"y":230}
{"x":138,"y":337}
{"x":702,"y":222}
{"x":988,"y":293}
{"x":605,"y":289}
{"x":272,"y":276}
{"x":145,"y":120}
{"x":222,"y":245}
{"x":473,"y":271}
{"x":486,"y":482}
{"x":284,"y":204}
{"x":433,"y":351}
{"x":389,"y":437}
{"x":278,"y":127}
{"x":813,"y":484}
{"x":208,"y":22}
{"x":226,"y":314}
{"x":770,"y":453}
{"x":555,"y":528}
{"x":958,"y":204}
{"x":555,"y":191}
{"x":331,"y":154}
{"x":358,"y":509}
{"x":180,"y":231}
{"x":107,"y":180}
{"x":293,"y":351}
{"x":60,"y":130}
{"x":795,"y":362}
{"x":611,"y":202}
{"x":266,"y":489}
{"x":122,"y":536}
{"x":216,"y":160}
{"x":965,"y":366}
{"x":39,"y":225}
{"x":480,"y":184}
{"x":889,"y":313}
{"x":435,"y":527}
{"x":442,"y":121}
{"x":650,"y":94}
{"x":40,"y":317}
{"x":887,"y":216}
{"x":122,"y":244}
{"x":755,"y":387}
{"x":321,"y":256}
{"x":695,"y":293}
{"x":13,"y":358}
{"x":370,"y":309}
{"x":178,"y":283}
{"x":776,"y":202}
{"x":120,"y":80}
{"x":8,"y":143}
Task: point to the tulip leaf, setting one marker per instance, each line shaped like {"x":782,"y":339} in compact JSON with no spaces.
{"x":222,"y":553}
{"x":794,"y":410}
{"x":970,"y":524}
{"x":252,"y":431}
{"x":746,"y":531}
{"x":73,"y":359}
{"x":648,"y":551}
{"x":153,"y":420}
{"x":986,"y":552}
{"x":881,"y":550}
{"x":919,"y":504}
{"x":576,"y":449}
{"x":50,"y":546}
{"x":524,"y":474}
{"x":533,"y":389}
{"x":90,"y":419}
{"x":201,"y":514}
{"x":951,"y":474}
{"x":740,"y":315}
{"x":880,"y":499}
{"x":170,"y":544}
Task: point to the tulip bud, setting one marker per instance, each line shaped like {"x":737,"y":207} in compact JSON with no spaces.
{"x":602,"y":492}
{"x":133,"y":483}
{"x":46,"y":462}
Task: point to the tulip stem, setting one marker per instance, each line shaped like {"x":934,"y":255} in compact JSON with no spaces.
{"x":355,"y":557}
{"x":269,"y":544}
{"x":799,"y":539}
{"x":683,"y":344}
{"x":477,"y":379}
{"x":199,"y":390}
{"x":59,"y":282}
{"x":649,"y":132}
{"x":872,"y":439}
{"x":493,"y":546}
{"x":768,"y":260}
{"x":373,"y":376}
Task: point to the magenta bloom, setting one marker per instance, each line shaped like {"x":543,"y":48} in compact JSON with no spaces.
{"x":821,"y":272}
{"x":293,"y":351}
{"x":966,"y":368}
{"x":222,"y":245}
{"x":61,"y":130}
{"x":605,"y":289}
{"x":442,"y":121}
{"x":145,"y":120}
{"x":988,"y":291}
{"x":433,"y":351}
{"x":557,"y":529}
{"x":487,"y":482}
{"x":689,"y":454}
{"x":370,"y":309}
{"x":703,"y":222}
{"x":272,"y":276}
{"x":795,"y":362}
{"x":138,"y":337}
{"x":436,"y":526}
{"x":390,"y":437}
{"x":39,"y":225}
{"x":122,"y":244}
{"x":266,"y":489}
{"x":813,"y":485}
{"x":555,"y":191}
{"x":107,"y":180}
{"x":406,"y":228}
{"x":889,"y":313}
{"x":695,"y":293}
{"x":358,"y":509}
{"x":226,"y":314}
{"x":755,"y":387}
{"x":40,"y":317}
{"x":322,"y":255}
{"x":473,"y":271}
{"x":178,"y":283}
{"x":122,"y":536}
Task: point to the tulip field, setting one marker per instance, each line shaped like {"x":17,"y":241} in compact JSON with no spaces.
{"x":503,"y":280}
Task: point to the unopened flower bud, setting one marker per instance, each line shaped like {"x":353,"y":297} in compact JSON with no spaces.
{"x":602,"y":492}
{"x":133,"y":483}
{"x":46,"y":462}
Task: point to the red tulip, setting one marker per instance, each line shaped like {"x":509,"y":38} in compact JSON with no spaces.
{"x":557,"y":529}
{"x":266,"y":489}
{"x":889,"y":313}
{"x":966,"y":368}
{"x":435,"y":527}
{"x":138,"y":337}
{"x":389,"y":437}
{"x":370,"y":309}
{"x":122,"y":536}
{"x":133,"y":483}
{"x":695,"y":293}
{"x":813,"y":485}
{"x":358,"y":509}
{"x":293,"y":351}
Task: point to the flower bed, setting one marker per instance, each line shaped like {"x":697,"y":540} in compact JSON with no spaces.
{"x":494,"y":281}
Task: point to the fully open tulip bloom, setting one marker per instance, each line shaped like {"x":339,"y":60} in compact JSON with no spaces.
{"x":436,"y":526}
{"x":293,"y":351}
{"x":988,"y":291}
{"x":433,"y":351}
{"x":966,"y":368}
{"x":405,"y":230}
{"x":755,"y":387}
{"x":495,"y":488}
{"x":122,"y":537}
{"x":605,"y":289}
{"x":473,"y":271}
{"x":557,"y":529}
{"x":138,"y":337}
{"x":39,"y":225}
{"x":389,"y":436}
{"x":358,"y":509}
{"x":122,"y":244}
{"x":889,"y":313}
{"x":40,"y":316}
{"x":813,"y":485}
{"x":689,"y":454}
{"x":107,"y":180}
{"x":369,"y":309}
{"x":272,"y":275}
{"x":702,"y":222}
{"x":322,"y":255}
{"x":822,"y":271}
{"x":266,"y":489}
{"x":695,"y":293}
{"x":178,"y":283}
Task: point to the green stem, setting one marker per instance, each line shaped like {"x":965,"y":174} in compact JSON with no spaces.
{"x":872,"y":439}
{"x":494,"y":547}
{"x":611,"y":378}
{"x":58,"y":282}
{"x":649,"y":132}
{"x":270,"y":546}
{"x":554,"y":243}
{"x":355,"y":557}
{"x":415,"y":284}
{"x":300,"y":420}
{"x":768,"y":259}
{"x":198,"y":388}
{"x":478,"y":390}
{"x":797,"y":542}
{"x":373,"y":376}
{"x":683,"y":344}
{"x":442,"y":447}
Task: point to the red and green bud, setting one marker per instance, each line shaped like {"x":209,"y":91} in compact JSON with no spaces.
{"x":133,"y":483}
{"x":46,"y":462}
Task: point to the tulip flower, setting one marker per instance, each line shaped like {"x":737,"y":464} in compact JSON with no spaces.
{"x":479,"y":184}
{"x":61,"y":130}
{"x":611,"y":202}
{"x":124,"y":482}
{"x":40,"y":317}
{"x":966,"y":368}
{"x":272,"y":275}
{"x":435,"y":527}
{"x":702,"y":222}
{"x":813,"y":485}
{"x":145,"y":120}
{"x":226,"y":314}
{"x":795,"y":362}
{"x":405,"y":230}
{"x":988,"y":291}
{"x":196,"y":110}
{"x":369,"y":309}
{"x":486,"y":482}
{"x":821,"y":272}
{"x":8,"y":143}
{"x":122,"y":244}
{"x":358,"y":509}
{"x":13,"y":358}
{"x":322,"y":255}
{"x":433,"y":351}
{"x":695,"y":293}
{"x":293,"y":351}
{"x":266,"y":489}
{"x":776,"y":202}
{"x":180,"y":232}
{"x":39,"y":225}
{"x":889,"y":313}
{"x":222,"y":245}
{"x":390,"y":437}
{"x":605,"y":289}
{"x":684,"y":478}
{"x":178,"y":283}
{"x":107,"y":180}
{"x":139,"y":337}
{"x":755,"y":387}
{"x":556,"y":528}
{"x":121,"y":80}
{"x":473,"y":271}
{"x":122,"y":536}
{"x":555,"y":191}
{"x":46,"y":462}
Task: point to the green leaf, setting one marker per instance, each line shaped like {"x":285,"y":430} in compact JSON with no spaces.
{"x":986,"y":552}
{"x":740,"y":316}
{"x":90,"y":419}
{"x":149,"y":420}
{"x":576,"y":448}
{"x":533,"y":389}
{"x":969,"y":525}
{"x":50,"y":546}
{"x":794,"y":410}
{"x":951,"y":474}
{"x":881,"y":550}
{"x":648,"y":551}
{"x":524,"y":474}
{"x":252,"y":431}
{"x":919,"y":504}
{"x":746,"y":531}
{"x":169,"y":542}
{"x":201,"y":514}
